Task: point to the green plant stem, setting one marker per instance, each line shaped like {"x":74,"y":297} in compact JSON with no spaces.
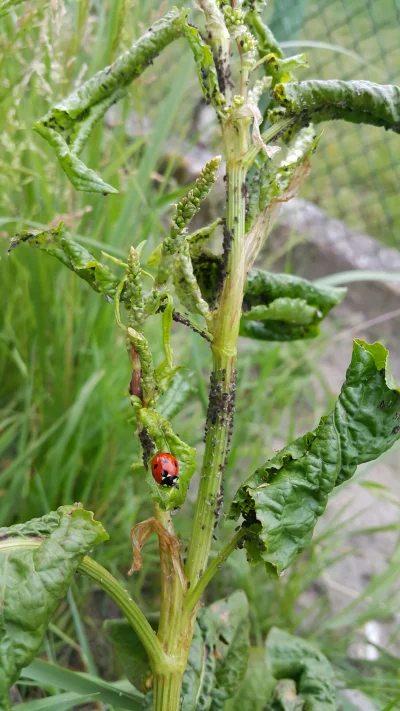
{"x":166,"y":692}
{"x":94,"y":571}
{"x":172,"y":628}
{"x":225,"y":332}
{"x":194,"y":595}
{"x":172,"y":593}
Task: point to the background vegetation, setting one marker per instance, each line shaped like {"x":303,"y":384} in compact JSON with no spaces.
{"x":65,"y":431}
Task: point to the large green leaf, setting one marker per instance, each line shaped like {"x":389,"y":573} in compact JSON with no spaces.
{"x":282,"y":307}
{"x":68,"y":125}
{"x":58,"y":244}
{"x":355,"y":101}
{"x":33,"y":581}
{"x":281,"y":502}
{"x":292,"y":658}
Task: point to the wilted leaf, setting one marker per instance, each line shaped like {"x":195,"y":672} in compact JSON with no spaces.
{"x":281,"y":502}
{"x":35,"y":580}
{"x":59,"y":244}
{"x":292,"y":658}
{"x":68,"y":125}
{"x":355,"y":101}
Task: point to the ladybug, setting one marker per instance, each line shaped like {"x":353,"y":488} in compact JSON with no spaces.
{"x":165,"y":469}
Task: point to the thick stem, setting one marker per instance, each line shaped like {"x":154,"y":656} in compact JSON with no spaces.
{"x":225,"y":335}
{"x":166,"y":692}
{"x":132,"y":612}
{"x":173,"y":631}
{"x":172,"y":593}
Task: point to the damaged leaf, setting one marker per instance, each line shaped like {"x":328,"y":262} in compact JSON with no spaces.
{"x":282,"y":307}
{"x":58,"y":244}
{"x":68,"y":125}
{"x":281,"y":502}
{"x":34,"y":581}
{"x":355,"y":101}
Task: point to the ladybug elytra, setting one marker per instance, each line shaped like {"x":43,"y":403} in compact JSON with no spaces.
{"x":165,"y":469}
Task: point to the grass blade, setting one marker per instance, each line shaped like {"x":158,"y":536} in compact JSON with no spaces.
{"x":51,"y":674}
{"x":63,"y":702}
{"x":352,"y":276}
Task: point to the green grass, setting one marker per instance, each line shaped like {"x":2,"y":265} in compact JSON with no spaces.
{"x":66,"y":429}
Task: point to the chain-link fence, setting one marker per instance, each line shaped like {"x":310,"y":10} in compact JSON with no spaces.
{"x":356,"y":170}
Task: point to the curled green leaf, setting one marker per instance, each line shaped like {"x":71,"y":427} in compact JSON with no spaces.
{"x":165,"y":439}
{"x":307,"y":677}
{"x":147,"y":374}
{"x":281,"y":502}
{"x":58,"y":244}
{"x":267,"y":42}
{"x":354,"y":101}
{"x":295,"y":311}
{"x":186,"y":285}
{"x":34,"y":581}
{"x":68,"y":125}
{"x":282,"y":307}
{"x":280,"y":69}
{"x":206,"y":69}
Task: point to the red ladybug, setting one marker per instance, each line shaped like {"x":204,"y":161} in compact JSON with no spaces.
{"x":165,"y":469}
